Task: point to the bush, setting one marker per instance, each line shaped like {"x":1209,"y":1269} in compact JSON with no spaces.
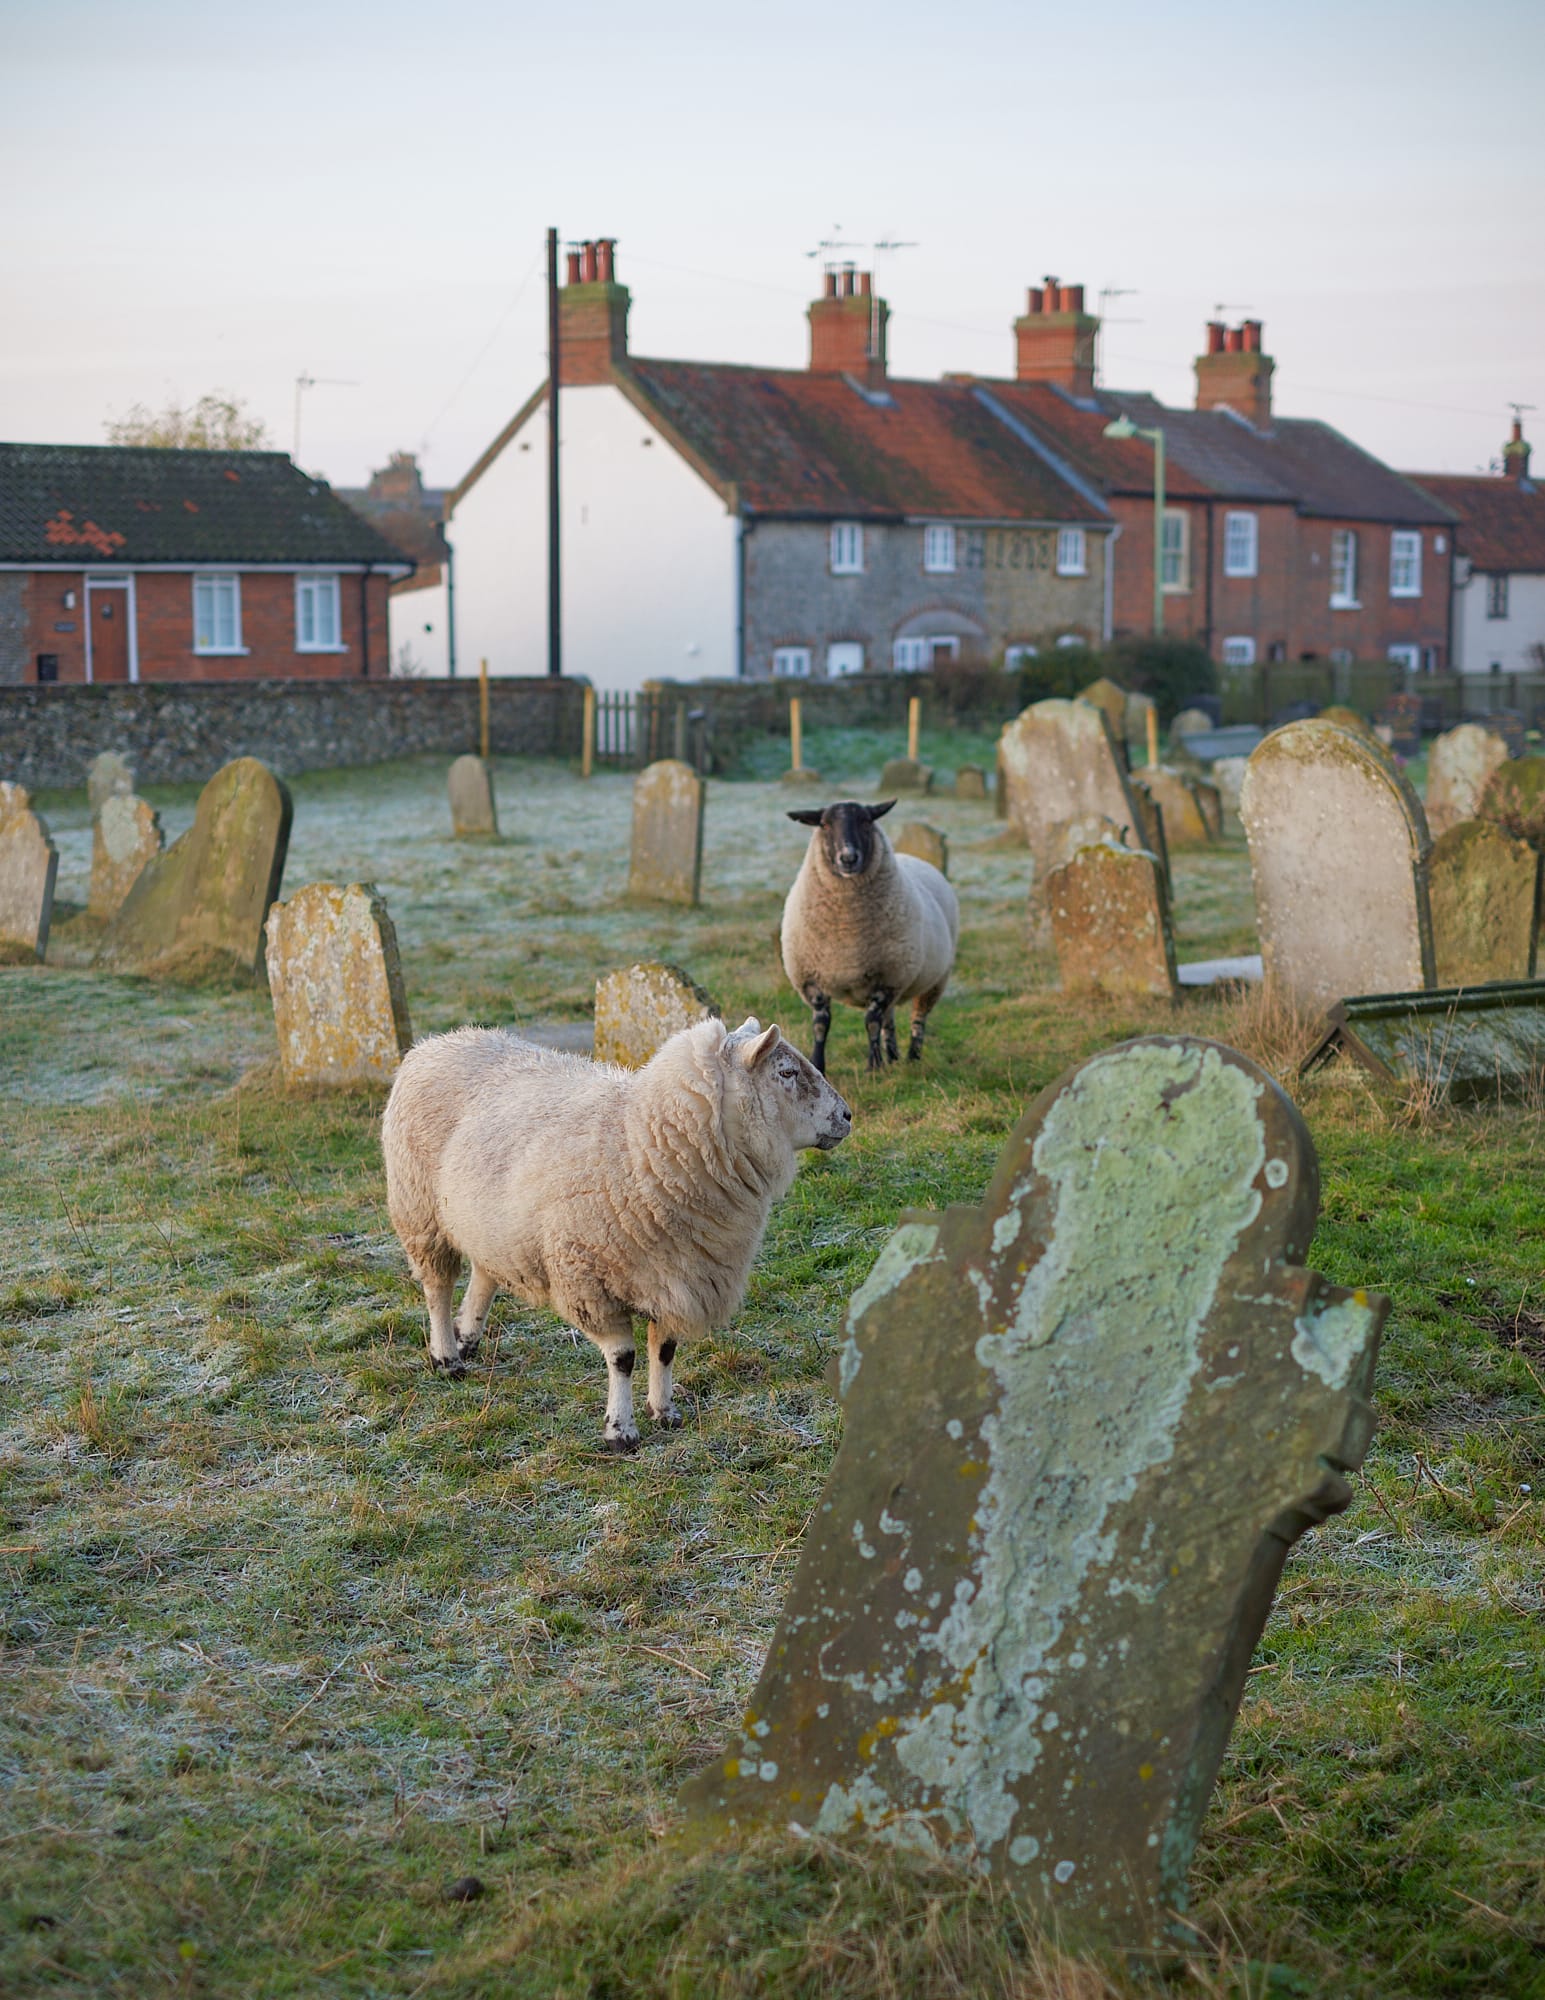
{"x":1057,"y":673}
{"x":1172,"y":671}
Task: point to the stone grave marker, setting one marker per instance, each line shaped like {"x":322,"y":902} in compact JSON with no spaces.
{"x":1402,"y":716}
{"x":1188,"y":821}
{"x":1111,"y":701}
{"x":197,"y":910}
{"x":904,"y":774}
{"x":1458,"y":765}
{"x":125,"y":837}
{"x":926,"y":842}
{"x":339,"y":1007}
{"x":473,"y":813}
{"x":1110,"y":922}
{"x":29,"y":862}
{"x":1348,"y":718}
{"x":1338,"y":855}
{"x":1139,"y":708}
{"x":1063,"y":772}
{"x":1514,"y":797}
{"x":1190,"y":722}
{"x":638,"y":1009}
{"x":1511,"y":727}
{"x":1084,"y":1422}
{"x":108,"y":777}
{"x":1460,"y":1043}
{"x":1484,"y":889}
{"x":1227,"y":774}
{"x":667,"y":853}
{"x":970,"y":782}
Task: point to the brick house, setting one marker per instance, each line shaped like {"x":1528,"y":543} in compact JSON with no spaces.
{"x":1499,"y":577}
{"x":126,"y":563}
{"x":408,"y":513}
{"x":725,"y":520}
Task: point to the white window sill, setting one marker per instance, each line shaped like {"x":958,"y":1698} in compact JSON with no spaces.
{"x":1346,"y":604}
{"x":934,"y":569}
{"x":1072,"y":572}
{"x":222,"y":652}
{"x":1241,"y":575}
{"x":321,"y":649}
{"x":1175,"y":589}
{"x":847,"y":572}
{"x":1408,"y":595}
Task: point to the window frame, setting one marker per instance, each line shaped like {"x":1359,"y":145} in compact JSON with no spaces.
{"x":846,"y":556}
{"x":939,"y":548}
{"x":1407,"y":657}
{"x":783,"y":656}
{"x":1497,"y":595}
{"x":1181,"y":552}
{"x":834,"y":646}
{"x":1345,"y":599}
{"x":1405,"y":548}
{"x":1238,"y":658}
{"x":1072,"y":552}
{"x":1247,"y":524}
{"x":307,"y":585}
{"x":215,"y":581}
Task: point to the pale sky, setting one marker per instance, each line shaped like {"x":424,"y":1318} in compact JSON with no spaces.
{"x":204,"y":197}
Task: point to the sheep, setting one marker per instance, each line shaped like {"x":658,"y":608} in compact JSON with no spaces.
{"x":867,"y":926}
{"x":598,"y":1191}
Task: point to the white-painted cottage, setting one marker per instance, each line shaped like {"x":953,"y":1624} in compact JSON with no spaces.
{"x":1499,"y":582}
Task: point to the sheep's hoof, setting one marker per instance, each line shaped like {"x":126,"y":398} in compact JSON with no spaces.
{"x":452,"y":1370}
{"x":622,"y":1443}
{"x":467,"y":1348}
{"x":669,"y":1419}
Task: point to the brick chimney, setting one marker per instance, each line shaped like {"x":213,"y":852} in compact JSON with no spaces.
{"x":592,"y":316}
{"x":848,"y":327}
{"x":1515,"y":453}
{"x":1054,"y":340}
{"x":1235,"y":371}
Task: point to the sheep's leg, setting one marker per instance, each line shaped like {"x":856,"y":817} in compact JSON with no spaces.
{"x":439,"y":1291}
{"x":615,"y":1340}
{"x":473,"y":1316}
{"x":891,"y":1051}
{"x":874,"y":1021}
{"x":662,"y":1352}
{"x":821,"y":1013}
{"x":922,"y":1007}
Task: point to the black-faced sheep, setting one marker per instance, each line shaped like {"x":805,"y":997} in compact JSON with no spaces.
{"x":601,"y":1192}
{"x":867,"y":926}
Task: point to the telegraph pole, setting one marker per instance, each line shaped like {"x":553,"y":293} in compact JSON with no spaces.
{"x":554,"y":548}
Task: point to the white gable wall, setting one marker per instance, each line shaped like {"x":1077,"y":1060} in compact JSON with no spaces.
{"x":1480,"y":641}
{"x":649,"y":554}
{"x":417,"y":623}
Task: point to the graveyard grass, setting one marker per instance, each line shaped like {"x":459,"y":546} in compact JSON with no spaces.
{"x":297,"y":1636}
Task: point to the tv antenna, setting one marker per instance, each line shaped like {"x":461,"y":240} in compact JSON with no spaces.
{"x":1519,"y":408}
{"x":880,"y":247}
{"x":1106,"y":294}
{"x":1222,"y":306}
{"x":303,"y":382}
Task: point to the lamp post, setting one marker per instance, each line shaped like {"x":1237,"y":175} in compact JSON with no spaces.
{"x":1123,"y":427}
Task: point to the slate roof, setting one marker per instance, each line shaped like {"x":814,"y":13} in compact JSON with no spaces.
{"x":75,"y":506}
{"x":1501,"y":521}
{"x":1075,"y":429}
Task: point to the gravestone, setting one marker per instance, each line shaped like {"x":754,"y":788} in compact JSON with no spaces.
{"x":1063,"y":772}
{"x":1401,"y":715}
{"x":1458,"y":766}
{"x":1461,"y":1044}
{"x":1511,"y":727}
{"x":667,"y":854}
{"x":1348,"y":718}
{"x":1338,"y":855}
{"x":926,"y":842}
{"x":1139,"y":708}
{"x":1083,"y":1424}
{"x":125,"y":837}
{"x":108,"y":777}
{"x":197,"y":910}
{"x":1514,"y":797}
{"x":473,"y":813}
{"x":1111,"y":701}
{"x":339,"y":1006}
{"x":1187,"y":821}
{"x":1190,"y":722}
{"x":1228,"y":775}
{"x":639,"y":1009}
{"x":1110,"y":922}
{"x":29,"y":862}
{"x":1484,"y":888}
{"x":904,"y":774}
{"x":970,"y":782}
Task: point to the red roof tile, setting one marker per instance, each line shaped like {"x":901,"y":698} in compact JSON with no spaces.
{"x":1501,"y":521}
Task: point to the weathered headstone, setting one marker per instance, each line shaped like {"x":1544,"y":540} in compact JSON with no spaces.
{"x":1514,"y":797}
{"x":1187,"y":822}
{"x":197,"y":910}
{"x":1348,"y":718}
{"x":1338,"y":854}
{"x":667,"y":853}
{"x":1139,"y":708}
{"x":1190,"y":722}
{"x":904,"y":774}
{"x":1111,"y":701}
{"x":970,"y":782}
{"x":108,"y":776}
{"x":473,"y":813}
{"x":1084,"y":1422}
{"x":1062,"y":770}
{"x":1458,"y":765}
{"x":1484,"y":888}
{"x":1402,"y":716}
{"x":638,"y":1010}
{"x":1110,"y":922}
{"x":1228,"y":775}
{"x":29,"y":862}
{"x":125,"y":837}
{"x":336,"y":980}
{"x":926,"y":842}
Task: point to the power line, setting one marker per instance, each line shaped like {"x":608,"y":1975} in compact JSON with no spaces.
{"x":483,"y":351}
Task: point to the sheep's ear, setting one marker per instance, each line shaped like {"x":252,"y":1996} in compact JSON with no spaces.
{"x":755,"y":1052}
{"x":879,"y":811}
{"x":749,"y":1028}
{"x":806,"y":818}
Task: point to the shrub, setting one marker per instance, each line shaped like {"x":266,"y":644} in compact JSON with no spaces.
{"x":1172,"y":671}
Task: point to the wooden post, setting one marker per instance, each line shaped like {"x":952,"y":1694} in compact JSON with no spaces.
{"x":795,"y":744}
{"x":914,"y":719}
{"x":587,"y":732}
{"x":482,"y":708}
{"x":1153,"y":735}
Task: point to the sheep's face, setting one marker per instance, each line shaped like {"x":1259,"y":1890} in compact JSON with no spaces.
{"x":849,"y":843}
{"x":784,"y":1088}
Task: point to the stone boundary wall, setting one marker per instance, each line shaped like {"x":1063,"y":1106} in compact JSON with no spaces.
{"x":175,"y":732}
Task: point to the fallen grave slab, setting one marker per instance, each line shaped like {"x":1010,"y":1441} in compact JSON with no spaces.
{"x":1465,"y":1042}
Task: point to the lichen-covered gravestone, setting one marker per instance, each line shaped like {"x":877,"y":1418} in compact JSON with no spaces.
{"x":197,"y":910}
{"x":970,"y":782}
{"x":1514,"y":797}
{"x":1111,"y":700}
{"x":1064,"y":774}
{"x":1084,"y":1422}
{"x":926,"y":842}
{"x":473,"y":815}
{"x":125,"y":838}
{"x":1484,"y":889}
{"x":29,"y":862}
{"x":1110,"y":922}
{"x":905,"y":774}
{"x":336,"y":980}
{"x":1458,"y":765}
{"x":1338,"y":854}
{"x":108,"y":776}
{"x":1187,"y":822}
{"x":666,"y":864}
{"x":1190,"y":722}
{"x":637,"y":1010}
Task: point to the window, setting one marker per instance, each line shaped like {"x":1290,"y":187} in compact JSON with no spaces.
{"x":1405,"y":563}
{"x":1015,"y":657}
{"x":792,"y":663}
{"x":1239,"y":652}
{"x":844,"y":656}
{"x":912,"y":656}
{"x":1239,"y":545}
{"x":217,"y":614}
{"x":938,"y":550}
{"x":1496,"y":597}
{"x":847,"y":548}
{"x":316,"y":615}
{"x":1343,"y":569}
{"x":1175,"y":571}
{"x":1408,"y":657}
{"x":1070,"y":552}
{"x":1071,"y":639}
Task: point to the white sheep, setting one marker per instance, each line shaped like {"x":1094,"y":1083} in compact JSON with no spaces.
{"x":867,"y":926}
{"x":598,"y":1191}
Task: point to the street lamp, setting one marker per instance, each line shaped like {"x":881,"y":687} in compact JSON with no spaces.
{"x":1123,"y":427}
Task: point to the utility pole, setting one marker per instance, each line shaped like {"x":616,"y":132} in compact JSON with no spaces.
{"x":303,"y":382}
{"x":554,"y":528}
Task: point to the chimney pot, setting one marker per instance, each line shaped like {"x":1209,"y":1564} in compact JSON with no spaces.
{"x":831,"y":281}
{"x":1232,"y":342}
{"x":587,"y":263}
{"x":1072,"y":298}
{"x":1215,"y":336}
{"x":1053,"y":340}
{"x":865,"y":284}
{"x":573,"y":261}
{"x":605,"y":251}
{"x":1035,"y":300}
{"x":1252,"y":333}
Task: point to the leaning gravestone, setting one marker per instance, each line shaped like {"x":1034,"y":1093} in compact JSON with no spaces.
{"x":926,"y":842}
{"x":1110,"y":922}
{"x":1188,"y":820}
{"x":639,"y":1009}
{"x":29,"y":862}
{"x":970,"y":782}
{"x":1084,"y":1422}
{"x":1063,"y":773}
{"x":666,"y":864}
{"x":1514,"y":797}
{"x":1338,"y":854}
{"x":109,"y":776}
{"x":336,"y":980}
{"x":473,"y":814}
{"x":1484,"y":889}
{"x":125,"y":838}
{"x":1458,"y":765}
{"x":197,"y":910}
{"x":1111,"y":701}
